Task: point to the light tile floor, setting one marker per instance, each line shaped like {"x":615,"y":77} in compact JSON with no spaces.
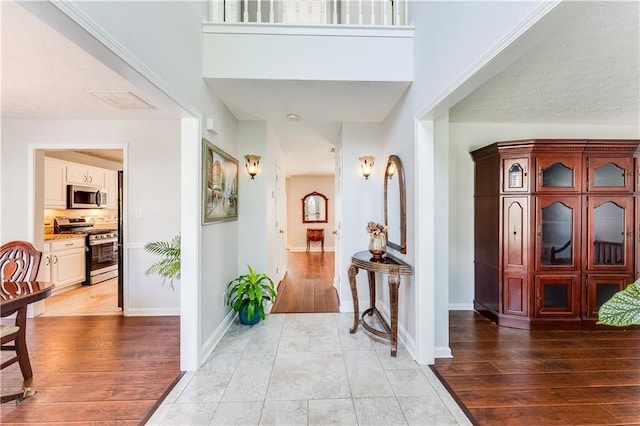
{"x":307,"y":369}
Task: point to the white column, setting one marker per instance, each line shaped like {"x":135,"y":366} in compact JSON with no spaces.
{"x":271,"y":14}
{"x":245,"y":17}
{"x":359,"y":12}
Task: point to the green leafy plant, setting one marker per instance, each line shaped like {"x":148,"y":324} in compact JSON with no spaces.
{"x":623,"y":309}
{"x":249,"y":291}
{"x":169,"y":266}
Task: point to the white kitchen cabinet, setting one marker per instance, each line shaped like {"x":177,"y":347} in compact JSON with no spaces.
{"x":81,"y":174}
{"x":55,"y":196}
{"x":111,"y":183}
{"x":63,"y":262}
{"x":44,"y":272}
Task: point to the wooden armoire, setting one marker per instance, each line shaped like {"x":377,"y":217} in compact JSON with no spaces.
{"x":556,"y":229}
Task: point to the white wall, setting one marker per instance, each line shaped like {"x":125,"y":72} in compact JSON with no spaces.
{"x":252,"y":203}
{"x":466,"y":137}
{"x":158,"y":45}
{"x":361,"y":202}
{"x":152,"y":179}
{"x":450,"y":39}
{"x":298,"y":187}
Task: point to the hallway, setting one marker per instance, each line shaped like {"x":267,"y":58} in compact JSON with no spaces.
{"x":308,"y":284}
{"x":307,"y":369}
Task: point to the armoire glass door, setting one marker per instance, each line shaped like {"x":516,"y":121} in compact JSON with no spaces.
{"x":558,"y":227}
{"x":610,"y":233}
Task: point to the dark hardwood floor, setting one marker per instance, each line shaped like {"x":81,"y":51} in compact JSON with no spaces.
{"x":95,"y":370}
{"x":504,"y":376}
{"x":308,"y":284}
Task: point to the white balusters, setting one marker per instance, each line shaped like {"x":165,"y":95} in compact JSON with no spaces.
{"x":373,"y":12}
{"x":370,"y":12}
{"x":284,"y":12}
{"x":385,"y":20}
{"x":297,"y":15}
{"x":348,"y":14}
{"x":396,"y":11}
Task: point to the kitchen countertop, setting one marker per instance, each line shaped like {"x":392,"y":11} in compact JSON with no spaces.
{"x":49,"y":237}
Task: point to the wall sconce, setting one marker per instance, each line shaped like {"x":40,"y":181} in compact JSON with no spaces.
{"x":391,"y":169}
{"x":366,"y":165}
{"x":252,"y":164}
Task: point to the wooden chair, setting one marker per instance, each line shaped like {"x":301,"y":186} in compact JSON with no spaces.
{"x":19,"y":261}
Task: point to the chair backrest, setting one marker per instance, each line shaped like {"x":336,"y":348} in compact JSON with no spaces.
{"x":19,"y":261}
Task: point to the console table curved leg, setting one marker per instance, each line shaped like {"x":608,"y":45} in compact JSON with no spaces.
{"x":394,"y":283}
{"x":353,"y":271}
{"x":372,"y":290}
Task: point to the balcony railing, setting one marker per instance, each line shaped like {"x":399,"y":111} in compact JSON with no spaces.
{"x":310,"y":12}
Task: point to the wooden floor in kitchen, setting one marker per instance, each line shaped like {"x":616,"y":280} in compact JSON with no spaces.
{"x":308,"y":284}
{"x":504,"y":376}
{"x":94,"y":369}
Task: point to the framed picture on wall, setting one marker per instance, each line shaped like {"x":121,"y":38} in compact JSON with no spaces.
{"x":219,"y":185}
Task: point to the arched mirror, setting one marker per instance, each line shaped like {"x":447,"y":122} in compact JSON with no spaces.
{"x":314,"y":208}
{"x":395,"y":200}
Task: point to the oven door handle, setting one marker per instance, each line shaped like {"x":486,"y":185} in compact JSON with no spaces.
{"x":105,"y":241}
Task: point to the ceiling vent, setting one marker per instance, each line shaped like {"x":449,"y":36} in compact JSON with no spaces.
{"x":122,"y":100}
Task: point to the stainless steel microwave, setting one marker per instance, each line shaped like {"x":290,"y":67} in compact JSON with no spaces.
{"x":85,"y":197}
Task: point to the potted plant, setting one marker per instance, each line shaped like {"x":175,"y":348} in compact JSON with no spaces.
{"x":246,"y":294}
{"x":623,"y":309}
{"x":169,"y":266}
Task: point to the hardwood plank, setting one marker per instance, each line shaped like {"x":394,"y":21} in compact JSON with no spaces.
{"x":564,"y":365}
{"x":545,"y":415}
{"x":513,"y":398}
{"x":505,"y":376}
{"x":463,"y":368}
{"x":601,"y":394}
{"x":628,"y":413}
{"x":89,"y":370}
{"x":308,"y":284}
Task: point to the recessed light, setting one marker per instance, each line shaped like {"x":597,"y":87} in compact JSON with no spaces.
{"x":293,"y":117}
{"x":122,"y":100}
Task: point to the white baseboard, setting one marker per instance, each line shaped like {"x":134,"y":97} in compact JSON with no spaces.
{"x":152,"y":312}
{"x":216,"y":336}
{"x":442,"y":352}
{"x":461,"y":306}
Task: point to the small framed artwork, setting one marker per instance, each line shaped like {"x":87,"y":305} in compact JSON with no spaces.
{"x":219,"y":184}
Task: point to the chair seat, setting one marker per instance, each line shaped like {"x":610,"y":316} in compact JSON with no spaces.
{"x":6,"y":330}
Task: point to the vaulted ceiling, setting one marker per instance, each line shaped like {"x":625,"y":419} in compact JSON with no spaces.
{"x":587,"y":72}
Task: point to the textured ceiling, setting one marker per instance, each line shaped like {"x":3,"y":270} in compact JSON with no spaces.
{"x":44,"y":75}
{"x":587,"y":72}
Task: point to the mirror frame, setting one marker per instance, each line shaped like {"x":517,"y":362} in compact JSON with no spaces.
{"x":326,"y":208}
{"x":402,"y":245}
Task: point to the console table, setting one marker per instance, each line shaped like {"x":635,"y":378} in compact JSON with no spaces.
{"x":388,"y":265}
{"x":315,"y":235}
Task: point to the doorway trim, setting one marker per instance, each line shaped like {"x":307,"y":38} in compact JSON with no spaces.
{"x":35,"y":197}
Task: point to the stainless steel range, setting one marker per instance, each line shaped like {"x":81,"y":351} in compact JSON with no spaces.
{"x":102,"y":247}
